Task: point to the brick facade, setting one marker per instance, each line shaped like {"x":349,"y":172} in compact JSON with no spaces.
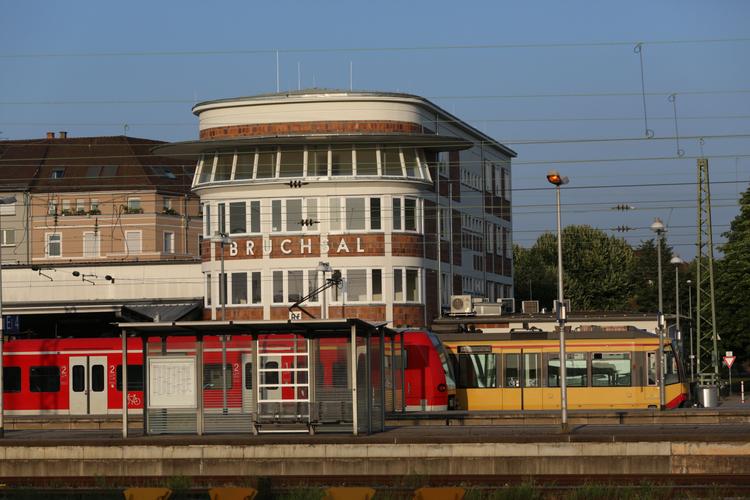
{"x":408,"y":315}
{"x":407,"y":245}
{"x":320,"y":127}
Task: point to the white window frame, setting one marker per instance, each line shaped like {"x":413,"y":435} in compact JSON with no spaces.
{"x":304,"y":201}
{"x":97,"y":244}
{"x":378,"y":169}
{"x":4,"y":236}
{"x":47,"y":237}
{"x":368,"y":214}
{"x":341,"y":296}
{"x":418,"y":210}
{"x":134,"y":203}
{"x":419,"y":291}
{"x":128,"y":250}
{"x":230,"y":289}
{"x":8,"y":209}
{"x":306,"y":290}
{"x":168,"y":237}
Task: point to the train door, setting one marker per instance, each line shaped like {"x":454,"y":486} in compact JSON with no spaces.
{"x":247,"y":383}
{"x":512,"y":394}
{"x":531,"y":380}
{"x":88,"y":388}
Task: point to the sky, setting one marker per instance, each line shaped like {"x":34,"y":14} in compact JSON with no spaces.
{"x":558,"y":82}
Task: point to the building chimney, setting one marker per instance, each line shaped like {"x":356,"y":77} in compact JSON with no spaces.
{"x":62,"y":134}
{"x":50,"y":135}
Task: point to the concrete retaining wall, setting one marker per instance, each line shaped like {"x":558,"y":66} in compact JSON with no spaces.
{"x":119,"y":460}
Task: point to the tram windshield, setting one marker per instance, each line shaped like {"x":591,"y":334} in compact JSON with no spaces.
{"x":450,"y":379}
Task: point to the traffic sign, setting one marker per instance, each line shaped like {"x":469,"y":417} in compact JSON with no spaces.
{"x":729,"y":360}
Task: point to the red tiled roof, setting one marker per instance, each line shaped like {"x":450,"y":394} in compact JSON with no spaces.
{"x":91,"y":163}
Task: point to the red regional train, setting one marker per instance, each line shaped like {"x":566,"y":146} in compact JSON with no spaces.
{"x":84,"y":376}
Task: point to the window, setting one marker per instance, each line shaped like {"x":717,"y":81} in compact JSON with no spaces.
{"x":294,"y":215}
{"x":239,"y":288}
{"x":367,"y":160}
{"x":167,"y":204}
{"x":255,"y":216}
{"x":245,"y":165}
{"x":610,"y":369}
{"x":168,"y":242}
{"x":11,"y":379}
{"x":312,"y":284}
{"x":477,"y":371}
{"x":292,"y":163}
{"x":237,"y":217}
{"x":223,"y":170}
{"x":355,"y":214}
{"x":295,"y":286}
{"x":52,"y":207}
{"x":8,"y":237}
{"x":671,"y":373}
{"x":90,"y":245}
{"x":391,"y":162}
{"x":256,"y":290}
{"x":207,"y":220}
{"x":375,"y":214}
{"x":398,"y":285}
{"x":341,"y":160}
{"x":54,"y":245}
{"x":410,"y":214}
{"x":287,"y":215}
{"x":248,"y":376}
{"x":406,"y":214}
{"x":94,"y":207}
{"x":134,"y":205}
{"x":278,"y":287}
{"x":358,"y":214}
{"x":8,"y":209}
{"x":97,"y":378}
{"x":208,"y":289}
{"x":356,"y":285}
{"x":396,"y":214}
{"x":57,"y":173}
{"x":317,"y":161}
{"x":80,"y":206}
{"x":79,"y":378}
{"x":133,"y":242}
{"x":222,"y":221}
{"x":213,"y":377}
{"x":207,"y":168}
{"x":512,"y":370}
{"x":377,"y":285}
{"x":266,"y":163}
{"x":44,"y":379}
{"x":532,"y":370}
{"x":335,"y":214}
{"x":651,"y":368}
{"x":135,"y":377}
{"x":412,"y":285}
{"x":410,"y":162}
{"x":576,"y":374}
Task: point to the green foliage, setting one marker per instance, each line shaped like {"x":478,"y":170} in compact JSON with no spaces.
{"x":597,"y":269}
{"x":732,"y":286}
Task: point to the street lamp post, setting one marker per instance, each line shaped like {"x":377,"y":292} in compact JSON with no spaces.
{"x":554,"y":177}
{"x":223,"y":239}
{"x":676,"y":261}
{"x":690,"y":317}
{"x":658,"y":228}
{"x":5,"y":200}
{"x":324,"y":267}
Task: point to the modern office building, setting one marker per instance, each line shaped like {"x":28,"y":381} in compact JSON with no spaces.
{"x":298,"y":187}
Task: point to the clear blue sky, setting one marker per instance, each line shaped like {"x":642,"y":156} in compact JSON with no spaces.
{"x":153,"y":94}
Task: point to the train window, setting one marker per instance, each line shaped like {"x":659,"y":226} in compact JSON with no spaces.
{"x":79,"y":378}
{"x":97,"y":378}
{"x":532,"y":372}
{"x":271,"y":378}
{"x":651,"y":367}
{"x":248,"y":376}
{"x":44,"y":378}
{"x":135,"y":378}
{"x":512,"y":370}
{"x":11,"y":379}
{"x":576,"y":370}
{"x":671,"y":374}
{"x":477,"y":371}
{"x":212,"y":377}
{"x":610,"y":369}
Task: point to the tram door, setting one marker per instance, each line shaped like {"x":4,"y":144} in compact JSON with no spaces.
{"x":88,"y":387}
{"x":247,"y":383}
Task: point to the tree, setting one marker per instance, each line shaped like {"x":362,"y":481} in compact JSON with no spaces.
{"x":733,"y":285}
{"x":645,"y":278}
{"x":533,"y":278}
{"x":596,"y":269}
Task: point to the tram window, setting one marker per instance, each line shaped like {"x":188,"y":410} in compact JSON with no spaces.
{"x":477,"y":371}
{"x":44,"y":379}
{"x":610,"y":369}
{"x":79,"y":378}
{"x":576,"y":368}
{"x":97,"y":378}
{"x":671,"y":374}
{"x":135,"y":378}
{"x":212,"y":378}
{"x":512,"y":370}
{"x":248,"y":376}
{"x":651,"y":367}
{"x":271,"y":378}
{"x":11,"y":379}
{"x":531,"y":370}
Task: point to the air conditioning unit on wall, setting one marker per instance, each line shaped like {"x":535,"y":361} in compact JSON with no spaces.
{"x":461,"y":305}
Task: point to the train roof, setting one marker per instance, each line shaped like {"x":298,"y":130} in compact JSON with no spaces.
{"x":623,"y":333}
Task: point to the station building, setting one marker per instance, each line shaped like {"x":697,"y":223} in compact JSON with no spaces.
{"x":296,"y":186}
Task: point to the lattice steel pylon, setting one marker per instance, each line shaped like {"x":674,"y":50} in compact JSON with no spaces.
{"x":707,"y":336}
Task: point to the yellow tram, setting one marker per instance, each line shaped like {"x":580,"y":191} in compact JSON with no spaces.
{"x":606,"y":369}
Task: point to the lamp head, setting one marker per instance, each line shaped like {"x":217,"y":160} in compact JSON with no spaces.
{"x":109,"y":278}
{"x":554,"y":177}
{"x":35,"y":268}
{"x":657,"y":226}
{"x":76,"y":274}
{"x":676,"y":260}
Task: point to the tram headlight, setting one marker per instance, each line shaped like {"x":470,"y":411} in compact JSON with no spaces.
{"x":442,"y":387}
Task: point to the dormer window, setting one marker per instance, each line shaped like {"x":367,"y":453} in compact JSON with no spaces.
{"x":57,"y":173}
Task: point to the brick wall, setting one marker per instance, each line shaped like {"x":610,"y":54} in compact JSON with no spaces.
{"x":319,"y":127}
{"x":372,"y":313}
{"x":408,"y":315}
{"x":296,"y":246}
{"x":372,"y":245}
{"x":407,"y":245}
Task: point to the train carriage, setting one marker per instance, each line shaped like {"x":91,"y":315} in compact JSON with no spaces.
{"x":520,"y":370}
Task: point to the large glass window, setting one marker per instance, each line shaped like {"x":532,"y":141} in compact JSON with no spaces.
{"x":477,"y":371}
{"x":356,"y":283}
{"x":410,"y":161}
{"x":44,"y":379}
{"x":671,"y":373}
{"x":576,"y":370}
{"x":396,"y":214}
{"x":398,"y":285}
{"x":213,"y":378}
{"x":222,"y":219}
{"x":375,"y":214}
{"x":245,"y":164}
{"x":377,"y":285}
{"x":317,"y":161}
{"x":355,"y":214}
{"x":278,"y":287}
{"x":610,"y":369}
{"x":237,"y":217}
{"x":294,"y":215}
{"x":532,"y":370}
{"x":224,"y":167}
{"x":512,"y":370}
{"x":367,"y":160}
{"x":292,"y":162}
{"x":391,"y":161}
{"x":135,"y":377}
{"x":341,"y":160}
{"x":207,"y":168}
{"x":239,"y":288}
{"x":256,"y":283}
{"x":255,"y":216}
{"x":412,"y":285}
{"x":410,"y":214}
{"x":266,"y":163}
{"x":295,"y":287}
{"x":276,"y":215}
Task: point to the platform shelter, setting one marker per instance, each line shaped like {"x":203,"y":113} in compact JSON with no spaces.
{"x":263,"y":376}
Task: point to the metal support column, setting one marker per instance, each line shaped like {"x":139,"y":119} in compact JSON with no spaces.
{"x":124,"y":384}
{"x":353,"y":375}
{"x":256,"y":384}
{"x":199,"y":382}
{"x":144,"y":348}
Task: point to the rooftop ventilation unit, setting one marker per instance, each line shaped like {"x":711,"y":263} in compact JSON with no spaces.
{"x":567,"y":306}
{"x":508,"y":305}
{"x":488,"y":309}
{"x":461,"y":305}
{"x":530,"y":306}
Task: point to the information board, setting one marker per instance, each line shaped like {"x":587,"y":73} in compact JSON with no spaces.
{"x":171,"y":382}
